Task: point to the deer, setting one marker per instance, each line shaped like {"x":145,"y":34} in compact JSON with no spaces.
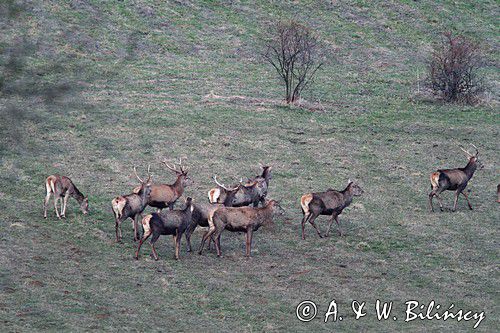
{"x":62,"y":188}
{"x":240,"y":195}
{"x":165,"y":195}
{"x":131,"y":206}
{"x":331,"y":202}
{"x":171,"y":222}
{"x":498,"y":193}
{"x":454,"y":180}
{"x":263,"y":182}
{"x":200,"y":217}
{"x":239,"y":219}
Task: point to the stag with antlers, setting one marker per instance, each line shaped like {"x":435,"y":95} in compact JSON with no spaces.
{"x":454,"y":180}
{"x":165,"y":195}
{"x":131,"y":206}
{"x":240,"y":195}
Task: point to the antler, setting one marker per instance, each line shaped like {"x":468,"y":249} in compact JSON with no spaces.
{"x":222,"y":185}
{"x":173,"y":168}
{"x":139,"y":178}
{"x":477,"y":150}
{"x":465,"y":151}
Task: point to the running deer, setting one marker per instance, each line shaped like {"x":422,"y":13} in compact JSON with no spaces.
{"x":171,"y":222}
{"x":331,"y":203}
{"x":165,"y":195}
{"x":454,"y":180}
{"x":131,"y":206}
{"x":62,"y":188}
{"x":239,"y":219}
{"x":242,"y":195}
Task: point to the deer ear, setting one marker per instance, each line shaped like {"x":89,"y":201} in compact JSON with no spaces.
{"x":349,"y":181}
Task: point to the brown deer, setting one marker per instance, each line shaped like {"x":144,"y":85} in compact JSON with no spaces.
{"x":454,"y":180}
{"x":131,"y":206}
{"x":241,"y":195}
{"x":171,"y":222}
{"x":62,"y":187}
{"x":262,"y":181}
{"x":498,"y":193}
{"x":331,"y":203}
{"x":239,"y":219}
{"x":165,"y":195}
{"x":200,"y":216}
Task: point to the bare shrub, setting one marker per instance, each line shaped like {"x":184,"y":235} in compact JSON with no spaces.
{"x":294,"y":51}
{"x":453,"y":69}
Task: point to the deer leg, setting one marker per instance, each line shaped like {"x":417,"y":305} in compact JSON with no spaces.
{"x":330,"y":222}
{"x":217,"y":244}
{"x":177,"y":245}
{"x":467,"y":198}
{"x":249,"y":242}
{"x":65,"y":202}
{"x":304,"y":220}
{"x":45,"y":203}
{"x":171,"y":206}
{"x":144,"y":237}
{"x":152,"y":242}
{"x":338,"y":225}
{"x":117,"y":226}
{"x":56,"y":198}
{"x":136,"y":227}
{"x":311,"y":220}
{"x":187,"y":235}
{"x":206,"y":236}
{"x":455,"y":200}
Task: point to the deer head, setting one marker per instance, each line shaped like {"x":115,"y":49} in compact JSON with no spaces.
{"x":84,"y":206}
{"x":182,"y":172}
{"x":473,"y":158}
{"x":145,"y":188}
{"x":354,"y":188}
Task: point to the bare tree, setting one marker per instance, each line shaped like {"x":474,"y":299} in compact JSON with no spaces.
{"x":293,"y":50}
{"x":453,"y":69}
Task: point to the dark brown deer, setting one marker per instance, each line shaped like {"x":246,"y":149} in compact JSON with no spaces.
{"x":171,"y":222}
{"x":62,"y":187}
{"x":454,"y":180}
{"x":165,"y":195}
{"x":200,"y":216}
{"x":241,"y":195}
{"x":331,"y":203}
{"x":131,"y":206}
{"x":239,"y":219}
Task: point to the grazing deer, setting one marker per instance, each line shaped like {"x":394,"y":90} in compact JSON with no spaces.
{"x":241,"y":195}
{"x":131,"y":206}
{"x":62,"y":187}
{"x":239,"y":219}
{"x":454,"y":180}
{"x":165,"y":195}
{"x":331,"y":203}
{"x":171,"y":222}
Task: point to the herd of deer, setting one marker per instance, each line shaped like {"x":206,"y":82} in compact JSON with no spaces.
{"x":229,"y":207}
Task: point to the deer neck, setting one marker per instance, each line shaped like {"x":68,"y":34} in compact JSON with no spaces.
{"x":179,"y":188}
{"x":77,"y":195}
{"x":347,"y":194}
{"x":470,"y":168}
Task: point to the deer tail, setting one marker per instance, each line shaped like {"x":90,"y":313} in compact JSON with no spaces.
{"x":118,"y":204}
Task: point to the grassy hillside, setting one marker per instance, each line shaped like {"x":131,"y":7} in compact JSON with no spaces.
{"x":91,"y":88}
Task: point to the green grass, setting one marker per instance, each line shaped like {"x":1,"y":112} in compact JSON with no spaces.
{"x":141,"y":73}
